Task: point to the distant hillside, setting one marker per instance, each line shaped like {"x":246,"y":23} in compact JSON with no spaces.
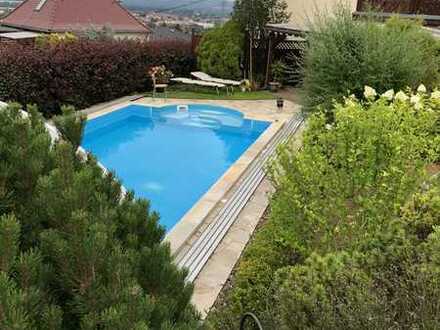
{"x":207,"y":6}
{"x":219,"y":7}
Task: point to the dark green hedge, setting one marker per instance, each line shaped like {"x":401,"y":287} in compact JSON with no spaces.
{"x":85,"y":72}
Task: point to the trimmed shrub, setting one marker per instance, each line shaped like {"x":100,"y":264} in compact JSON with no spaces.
{"x":343,"y":247}
{"x":73,"y":255}
{"x":220,"y":50}
{"x":345,"y":54}
{"x":85,"y":72}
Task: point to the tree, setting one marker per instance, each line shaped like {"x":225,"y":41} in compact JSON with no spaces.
{"x":220,"y":50}
{"x":253,"y":16}
{"x":73,"y":254}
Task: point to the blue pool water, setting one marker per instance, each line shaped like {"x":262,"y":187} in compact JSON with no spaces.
{"x":168,"y":156}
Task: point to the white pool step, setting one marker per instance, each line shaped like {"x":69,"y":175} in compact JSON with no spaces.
{"x":197,"y":256}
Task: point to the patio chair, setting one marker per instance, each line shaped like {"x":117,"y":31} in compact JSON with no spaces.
{"x":188,"y":81}
{"x":208,"y":78}
{"x":157,"y":87}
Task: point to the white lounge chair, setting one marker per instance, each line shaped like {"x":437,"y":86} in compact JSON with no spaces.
{"x":208,"y":78}
{"x":188,"y":81}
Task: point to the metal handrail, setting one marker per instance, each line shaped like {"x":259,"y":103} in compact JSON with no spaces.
{"x":251,"y":316}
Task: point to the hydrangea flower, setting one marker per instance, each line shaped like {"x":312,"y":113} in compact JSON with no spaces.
{"x":369,"y":93}
{"x":422,"y":89}
{"x":389,"y":95}
{"x":435,"y":95}
{"x":401,"y":96}
{"x":417,"y":101}
{"x":350,"y":100}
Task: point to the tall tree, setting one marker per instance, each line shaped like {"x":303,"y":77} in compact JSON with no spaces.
{"x":253,"y":16}
{"x":220,"y":50}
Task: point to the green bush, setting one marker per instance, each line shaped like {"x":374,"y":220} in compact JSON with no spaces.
{"x":85,"y":72}
{"x":344,"y":245}
{"x":73,"y":255}
{"x":345,"y":54}
{"x":220,"y":50}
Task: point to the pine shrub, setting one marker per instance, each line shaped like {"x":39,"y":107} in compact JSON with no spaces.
{"x":73,"y":255}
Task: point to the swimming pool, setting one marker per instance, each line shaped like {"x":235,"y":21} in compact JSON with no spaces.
{"x":171,"y":155}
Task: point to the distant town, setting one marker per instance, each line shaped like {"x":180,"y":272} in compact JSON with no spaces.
{"x":177,"y":23}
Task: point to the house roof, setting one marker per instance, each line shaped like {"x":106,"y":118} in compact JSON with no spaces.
{"x":73,"y":16}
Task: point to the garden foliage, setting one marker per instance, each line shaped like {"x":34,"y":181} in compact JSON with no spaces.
{"x":220,"y":51}
{"x":345,"y":54}
{"x":352,"y":238}
{"x":253,"y":15}
{"x":73,"y":255}
{"x":84,"y":72}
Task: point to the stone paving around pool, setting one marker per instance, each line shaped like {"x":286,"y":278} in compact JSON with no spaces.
{"x":215,"y":273}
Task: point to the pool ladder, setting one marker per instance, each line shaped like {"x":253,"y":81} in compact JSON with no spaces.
{"x":182,"y":108}
{"x":201,"y":250}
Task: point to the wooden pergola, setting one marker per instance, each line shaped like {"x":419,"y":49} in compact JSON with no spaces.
{"x":282,"y":36}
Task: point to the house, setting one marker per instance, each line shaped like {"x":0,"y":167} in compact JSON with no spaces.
{"x":304,"y":11}
{"x":59,"y":16}
{"x":165,"y":33}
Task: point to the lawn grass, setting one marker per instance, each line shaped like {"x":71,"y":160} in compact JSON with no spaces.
{"x":193,"y":92}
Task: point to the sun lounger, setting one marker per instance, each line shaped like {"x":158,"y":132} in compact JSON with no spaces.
{"x":208,"y":78}
{"x":188,"y":81}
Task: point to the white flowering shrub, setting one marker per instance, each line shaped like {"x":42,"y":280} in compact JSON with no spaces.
{"x":351,"y":239}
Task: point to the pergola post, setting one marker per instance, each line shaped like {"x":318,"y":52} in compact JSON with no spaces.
{"x":269,"y":59}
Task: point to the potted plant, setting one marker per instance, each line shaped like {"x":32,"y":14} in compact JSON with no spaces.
{"x":160,"y":74}
{"x":278,"y":74}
